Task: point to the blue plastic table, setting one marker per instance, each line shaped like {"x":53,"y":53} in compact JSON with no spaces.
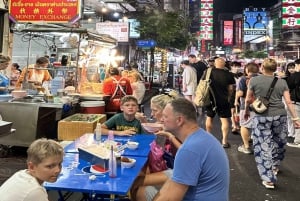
{"x":74,"y":179}
{"x":142,"y":151}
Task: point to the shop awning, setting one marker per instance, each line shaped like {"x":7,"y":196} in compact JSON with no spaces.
{"x":98,"y":39}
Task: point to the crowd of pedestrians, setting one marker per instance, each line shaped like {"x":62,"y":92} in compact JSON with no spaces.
{"x":235,"y":87}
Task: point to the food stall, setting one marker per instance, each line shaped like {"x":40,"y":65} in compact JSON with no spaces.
{"x":35,"y":116}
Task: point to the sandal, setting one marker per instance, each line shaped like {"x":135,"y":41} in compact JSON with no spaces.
{"x":235,"y":131}
{"x":226,"y":145}
{"x":268,"y":185}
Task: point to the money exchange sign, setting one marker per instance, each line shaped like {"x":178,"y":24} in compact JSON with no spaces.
{"x":54,"y":11}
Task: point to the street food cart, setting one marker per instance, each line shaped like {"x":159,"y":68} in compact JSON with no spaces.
{"x":36,"y":119}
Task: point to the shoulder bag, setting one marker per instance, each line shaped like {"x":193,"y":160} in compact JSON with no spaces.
{"x":261,"y":104}
{"x":203,"y":91}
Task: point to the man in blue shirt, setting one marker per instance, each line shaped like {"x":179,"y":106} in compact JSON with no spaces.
{"x":201,"y":168}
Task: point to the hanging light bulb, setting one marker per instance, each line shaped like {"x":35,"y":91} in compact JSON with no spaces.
{"x":103,"y":9}
{"x":116,"y":14}
{"x":125,"y":19}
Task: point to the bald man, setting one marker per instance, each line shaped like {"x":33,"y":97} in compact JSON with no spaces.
{"x":222,"y":83}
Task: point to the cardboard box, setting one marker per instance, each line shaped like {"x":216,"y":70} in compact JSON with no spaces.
{"x":76,"y":125}
{"x":87,"y":154}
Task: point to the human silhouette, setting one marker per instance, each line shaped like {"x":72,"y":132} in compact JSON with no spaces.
{"x":258,"y":21}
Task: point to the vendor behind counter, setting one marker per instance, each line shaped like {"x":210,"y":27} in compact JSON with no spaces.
{"x":4,"y":80}
{"x":36,"y":73}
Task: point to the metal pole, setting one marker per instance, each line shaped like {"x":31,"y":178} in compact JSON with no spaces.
{"x":25,"y":84}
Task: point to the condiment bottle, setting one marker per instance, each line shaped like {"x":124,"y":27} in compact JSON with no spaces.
{"x":111,"y":136}
{"x":98,"y":133}
{"x":112,"y":163}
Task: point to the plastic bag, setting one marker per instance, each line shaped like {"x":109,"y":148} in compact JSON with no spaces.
{"x":156,"y":161}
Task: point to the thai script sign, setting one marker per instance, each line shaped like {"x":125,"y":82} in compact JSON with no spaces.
{"x":51,"y":11}
{"x":117,"y":30}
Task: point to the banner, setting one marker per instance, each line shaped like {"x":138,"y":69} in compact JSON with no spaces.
{"x":228,"y":33}
{"x":117,"y":30}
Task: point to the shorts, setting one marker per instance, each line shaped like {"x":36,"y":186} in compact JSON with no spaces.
{"x":223,"y":111}
{"x":151,"y":191}
{"x":246,"y":123}
{"x":190,"y":90}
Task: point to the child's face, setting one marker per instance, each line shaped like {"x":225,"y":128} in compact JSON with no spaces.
{"x":48,"y":170}
{"x":129,"y":108}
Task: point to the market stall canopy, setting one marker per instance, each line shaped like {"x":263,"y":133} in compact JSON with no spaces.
{"x":98,"y":39}
{"x":101,"y":39}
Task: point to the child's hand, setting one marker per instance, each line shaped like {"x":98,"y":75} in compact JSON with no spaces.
{"x":141,"y":117}
{"x":128,"y":132}
{"x":164,"y":133}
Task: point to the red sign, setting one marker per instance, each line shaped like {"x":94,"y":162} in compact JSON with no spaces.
{"x":52,"y":11}
{"x":228,"y":32}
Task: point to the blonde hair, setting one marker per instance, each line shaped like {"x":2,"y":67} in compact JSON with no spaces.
{"x":128,"y":98}
{"x":163,"y":99}
{"x":42,"y":149}
{"x":269,"y":65}
{"x":4,"y":61}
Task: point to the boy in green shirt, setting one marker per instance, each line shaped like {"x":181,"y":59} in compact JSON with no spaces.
{"x":124,"y":123}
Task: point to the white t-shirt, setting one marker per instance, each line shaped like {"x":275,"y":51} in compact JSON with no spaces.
{"x":138,"y":90}
{"x":22,"y":187}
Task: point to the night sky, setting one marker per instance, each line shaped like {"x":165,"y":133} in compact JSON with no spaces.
{"x":236,"y":6}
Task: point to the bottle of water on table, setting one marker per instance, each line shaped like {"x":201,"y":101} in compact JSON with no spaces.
{"x":112,"y":163}
{"x":98,"y":133}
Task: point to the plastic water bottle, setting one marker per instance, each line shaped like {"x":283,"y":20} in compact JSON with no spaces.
{"x":57,"y":83}
{"x":111,"y":136}
{"x":98,"y":133}
{"x":112,"y":163}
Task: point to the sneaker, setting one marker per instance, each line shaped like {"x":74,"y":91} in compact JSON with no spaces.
{"x":268,"y":185}
{"x":244,"y":150}
{"x":276,"y":171}
{"x":293,"y":144}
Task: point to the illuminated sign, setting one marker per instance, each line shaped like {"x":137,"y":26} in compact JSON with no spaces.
{"x":133,"y":32}
{"x":206,"y":20}
{"x":55,"y":11}
{"x":255,"y":24}
{"x":228,"y":33}
{"x":117,"y":30}
{"x":290,"y":14}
